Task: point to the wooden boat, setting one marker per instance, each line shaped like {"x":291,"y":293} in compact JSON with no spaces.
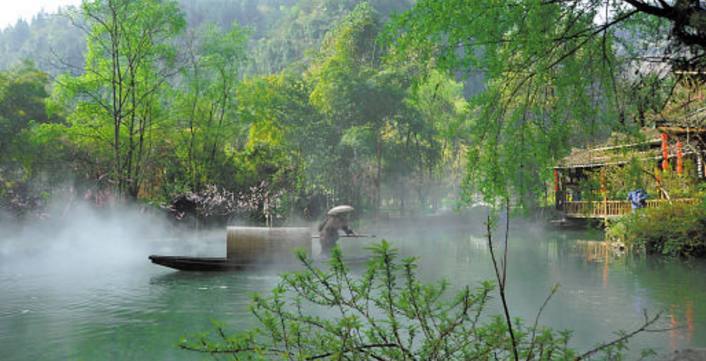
{"x":197,"y":263}
{"x":252,"y":248}
{"x":211,"y":264}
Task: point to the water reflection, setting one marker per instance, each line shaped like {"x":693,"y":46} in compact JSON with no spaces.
{"x":677,"y":301}
{"x":598,"y":252}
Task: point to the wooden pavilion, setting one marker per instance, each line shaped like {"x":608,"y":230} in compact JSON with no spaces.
{"x":664,"y":145}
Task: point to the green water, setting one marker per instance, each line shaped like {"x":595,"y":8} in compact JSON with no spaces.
{"x":118,"y":306}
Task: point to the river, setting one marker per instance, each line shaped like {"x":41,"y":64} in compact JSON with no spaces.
{"x":107,"y":302}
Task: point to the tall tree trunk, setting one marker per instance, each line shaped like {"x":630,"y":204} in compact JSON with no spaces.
{"x":378,"y":172}
{"x":192,"y":134}
{"x":143,"y":128}
{"x":221,"y":116}
{"x":131,"y":137}
{"x":117,"y":91}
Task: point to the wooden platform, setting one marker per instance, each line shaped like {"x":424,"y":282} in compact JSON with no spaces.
{"x":610,"y":208}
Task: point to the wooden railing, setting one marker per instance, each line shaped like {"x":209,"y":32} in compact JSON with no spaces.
{"x":604,"y":209}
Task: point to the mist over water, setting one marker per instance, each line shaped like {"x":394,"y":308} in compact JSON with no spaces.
{"x":85,"y":237}
{"x":80,"y":286}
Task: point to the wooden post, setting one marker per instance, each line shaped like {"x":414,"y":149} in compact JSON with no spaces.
{"x":658,"y":181}
{"x":557,"y":200}
{"x":665,"y":151}
{"x":604,"y":191}
{"x":680,"y":160}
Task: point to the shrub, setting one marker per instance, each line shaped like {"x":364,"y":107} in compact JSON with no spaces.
{"x":672,"y":229}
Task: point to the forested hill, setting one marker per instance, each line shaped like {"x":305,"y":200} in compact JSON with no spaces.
{"x":46,"y":40}
{"x":282,"y":31}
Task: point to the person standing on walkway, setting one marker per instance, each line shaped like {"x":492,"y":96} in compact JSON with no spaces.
{"x":638,"y":199}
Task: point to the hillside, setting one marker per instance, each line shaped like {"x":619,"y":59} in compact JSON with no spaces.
{"x":282,"y":31}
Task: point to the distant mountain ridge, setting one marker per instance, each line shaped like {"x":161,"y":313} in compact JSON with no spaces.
{"x":282,"y":31}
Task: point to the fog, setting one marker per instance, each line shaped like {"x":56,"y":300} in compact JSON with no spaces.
{"x":83,"y":237}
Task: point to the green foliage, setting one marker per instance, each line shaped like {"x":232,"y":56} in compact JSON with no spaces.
{"x":156,"y":112}
{"x":550,"y":70}
{"x":283,"y":31}
{"x":116,"y":101}
{"x":206,"y":106}
{"x":378,"y":124}
{"x":293,"y":30}
{"x":31,"y":162}
{"x":673,"y":229}
{"x":619,"y":180}
{"x":683,"y":185}
{"x":23,"y":91}
{"x":386,"y":313}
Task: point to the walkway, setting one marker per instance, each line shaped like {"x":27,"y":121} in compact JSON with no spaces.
{"x":611,"y":209}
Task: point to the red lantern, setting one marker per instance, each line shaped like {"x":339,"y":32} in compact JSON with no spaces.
{"x":556,"y":180}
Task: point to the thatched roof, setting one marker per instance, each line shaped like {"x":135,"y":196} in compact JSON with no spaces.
{"x":618,"y":149}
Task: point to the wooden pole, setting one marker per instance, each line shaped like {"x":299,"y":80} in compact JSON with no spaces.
{"x":680,"y":160}
{"x":557,"y":201}
{"x":665,"y":151}
{"x":604,"y":191}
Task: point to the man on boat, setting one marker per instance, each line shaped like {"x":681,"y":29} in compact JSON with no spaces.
{"x":328,"y":229}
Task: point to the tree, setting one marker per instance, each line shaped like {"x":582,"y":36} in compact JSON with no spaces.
{"x":553,"y":71}
{"x":687,"y":18}
{"x":207,"y":100}
{"x":291,"y":30}
{"x":434,"y":137}
{"x":48,"y":40}
{"x":128,"y":64}
{"x":356,"y":92}
{"x":23,"y":91}
{"x":31,"y":165}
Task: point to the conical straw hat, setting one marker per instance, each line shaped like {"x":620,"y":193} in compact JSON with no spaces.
{"x":340,"y":210}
